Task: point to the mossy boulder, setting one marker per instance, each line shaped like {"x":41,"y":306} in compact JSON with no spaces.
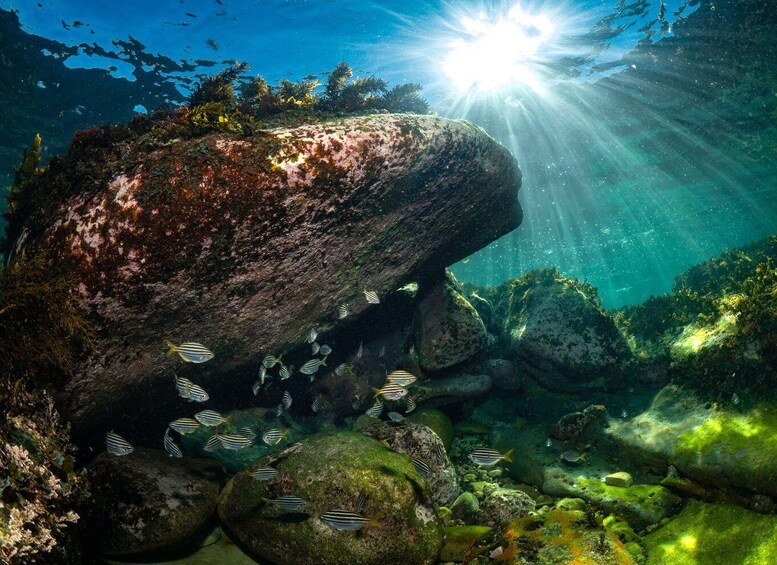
{"x":329,"y":471}
{"x":714,"y":534}
{"x":448,"y":329}
{"x":436,"y":421}
{"x":502,"y":505}
{"x":459,"y":540}
{"x":199,"y":237}
{"x":148,"y":502}
{"x":465,"y":507}
{"x":558,"y":331}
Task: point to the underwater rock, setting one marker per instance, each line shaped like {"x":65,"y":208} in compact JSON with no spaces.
{"x":619,"y":479}
{"x":459,"y":541}
{"x":438,"y":422}
{"x":418,"y":441}
{"x":505,"y":375}
{"x":242,"y":242}
{"x":572,"y":425}
{"x":465,"y":507}
{"x":452,"y":390}
{"x":329,"y":471}
{"x":448,"y":330}
{"x":560,"y":334}
{"x":147,"y":502}
{"x":503,"y":505}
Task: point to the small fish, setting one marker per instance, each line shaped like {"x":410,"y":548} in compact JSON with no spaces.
{"x":375,"y":410}
{"x":356,"y":402}
{"x":234,"y":441}
{"x":117,"y":445}
{"x":264,"y":474}
{"x":382,"y":351}
{"x":312,"y":366}
{"x":486,"y":456}
{"x":671,"y":471}
{"x":191,"y":352}
{"x":439,"y":452}
{"x":314,"y":348}
{"x":197,"y":394}
{"x":212,"y":443}
{"x":345,"y":520}
{"x":279,"y":410}
{"x":395,"y":417}
{"x":256,"y":388}
{"x":391,"y":391}
{"x":325,"y":350}
{"x":247,"y":432}
{"x":360,"y":351}
{"x":421,"y":466}
{"x":209,"y":418}
{"x":182,"y":385}
{"x":274,"y":436}
{"x":289,"y":502}
{"x":735,"y":398}
{"x":286,"y":400}
{"x":342,"y":311}
{"x":409,"y":404}
{"x":262,"y":374}
{"x":270,"y":361}
{"x":371,"y":296}
{"x":572,"y":456}
{"x":318,"y":404}
{"x":312,"y":335}
{"x":402,"y":378}
{"x":184,"y":425}
{"x":172,"y":449}
{"x":624,"y":414}
{"x":548,"y":443}
{"x":285,"y":372}
{"x":341,"y":369}
{"x":361,"y":500}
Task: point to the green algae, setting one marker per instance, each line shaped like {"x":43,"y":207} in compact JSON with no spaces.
{"x":436,"y":421}
{"x":639,"y":504}
{"x":714,"y":534}
{"x":460,"y":542}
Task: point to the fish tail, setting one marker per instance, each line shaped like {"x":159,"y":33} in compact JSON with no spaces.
{"x":171,"y":347}
{"x":377,"y":392}
{"x":323,"y":361}
{"x":375,"y":522}
{"x":507,"y":456}
{"x":582,"y":457}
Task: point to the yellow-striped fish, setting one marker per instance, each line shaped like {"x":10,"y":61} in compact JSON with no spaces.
{"x":117,"y":445}
{"x":312,"y":366}
{"x":274,"y":436}
{"x":391,"y":391}
{"x":170,"y":446}
{"x":402,"y":378}
{"x":486,"y":456}
{"x":371,"y":296}
{"x":184,"y":425}
{"x":346,"y":520}
{"x":234,"y":441}
{"x":190,"y":352}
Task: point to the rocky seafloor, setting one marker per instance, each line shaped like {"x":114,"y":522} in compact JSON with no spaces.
{"x":642,"y":435}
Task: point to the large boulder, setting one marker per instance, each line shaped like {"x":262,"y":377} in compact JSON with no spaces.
{"x":329,"y":471}
{"x":559,"y":332}
{"x":242,"y":242}
{"x":148,"y":502}
{"x":448,"y":329}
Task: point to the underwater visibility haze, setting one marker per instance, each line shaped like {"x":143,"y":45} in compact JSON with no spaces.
{"x":338,"y":282}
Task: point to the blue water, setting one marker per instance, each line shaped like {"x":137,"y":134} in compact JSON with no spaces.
{"x":641,"y":154}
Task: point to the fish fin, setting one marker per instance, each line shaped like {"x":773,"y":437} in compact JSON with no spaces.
{"x":172,"y":348}
{"x":582,"y":457}
{"x":377,"y":392}
{"x":507,"y":455}
{"x":323,"y":361}
{"x":376,"y":521}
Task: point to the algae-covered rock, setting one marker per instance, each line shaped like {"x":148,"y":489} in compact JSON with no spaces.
{"x":505,"y":375}
{"x":502,"y":505}
{"x":714,"y":534}
{"x":448,"y":330}
{"x":459,"y":540}
{"x":329,"y":471}
{"x":418,"y":441}
{"x":465,"y":507}
{"x":438,"y":422}
{"x":619,"y":479}
{"x":148,"y":502}
{"x":453,"y":390}
{"x":558,"y":330}
{"x":242,"y":241}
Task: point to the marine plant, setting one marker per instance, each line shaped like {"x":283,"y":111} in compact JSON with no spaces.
{"x":27,"y":169}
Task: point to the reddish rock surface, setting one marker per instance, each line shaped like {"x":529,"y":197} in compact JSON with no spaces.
{"x":242,"y":242}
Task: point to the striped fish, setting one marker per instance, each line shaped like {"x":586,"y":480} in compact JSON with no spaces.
{"x":270,"y":361}
{"x":375,"y":410}
{"x":361,"y":500}
{"x":314,"y":348}
{"x":184,"y":425}
{"x":342,"y":311}
{"x":439,"y":452}
{"x":341,"y":369}
{"x":191,"y":352}
{"x":312,"y":366}
{"x":274,"y":436}
{"x":289,"y":502}
{"x":391,"y":391}
{"x":382,"y":351}
{"x":278,"y":410}
{"x":256,"y":388}
{"x":360,"y":351}
{"x":247,"y":432}
{"x":197,"y":394}
{"x":395,"y":417}
{"x":262,"y":374}
{"x":345,"y":520}
{"x":212,"y":443}
{"x":209,"y":418}
{"x":402,"y":378}
{"x":318,"y":404}
{"x":312,"y":335}
{"x":264,"y":474}
{"x":182,"y":385}
{"x":172,"y":449}
{"x":486,"y":456}
{"x":286,"y":399}
{"x":117,"y":445}
{"x":286,"y":372}
{"x":234,"y":441}
{"x":371,"y":296}
{"x":421,"y":466}
{"x":325,"y":350}
{"x":409,"y":404}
